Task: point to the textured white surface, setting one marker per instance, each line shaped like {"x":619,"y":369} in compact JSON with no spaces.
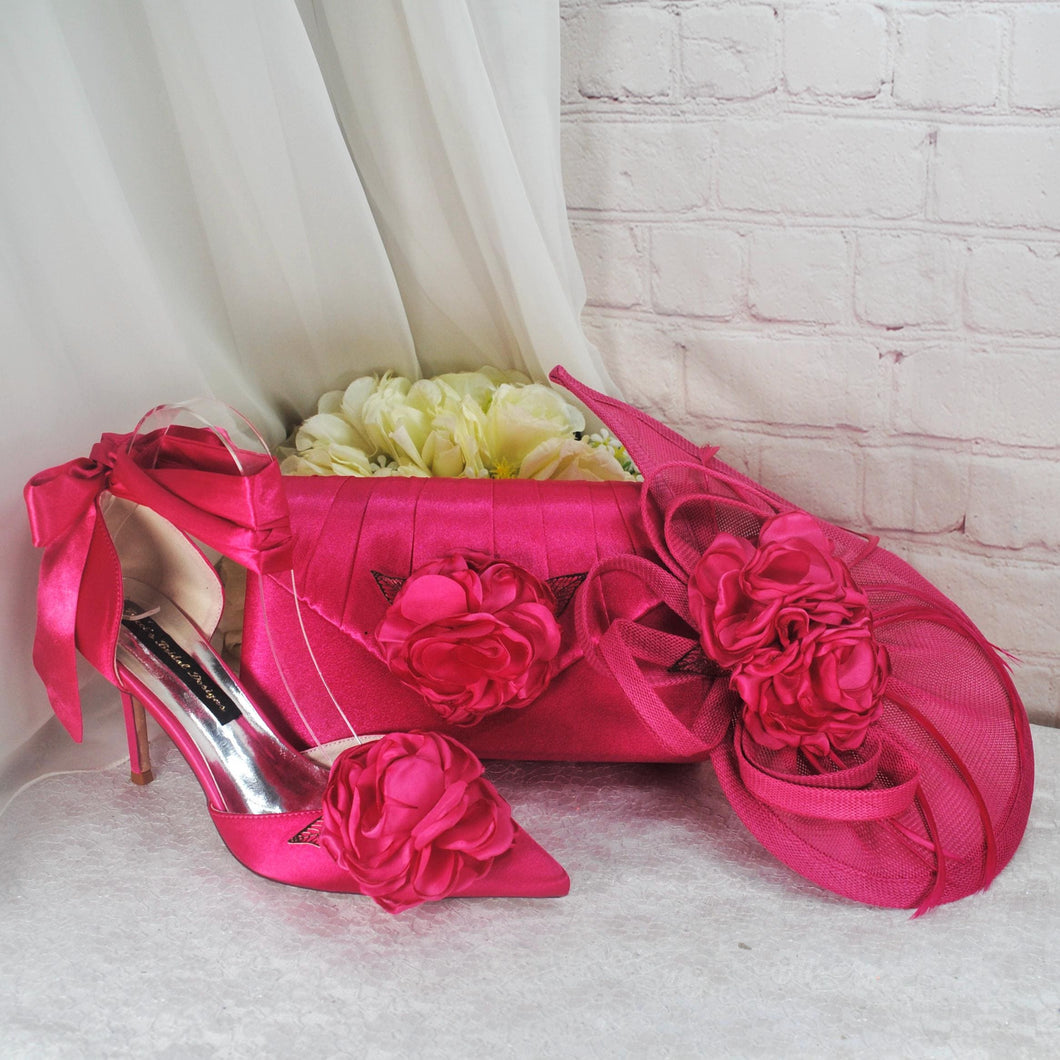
{"x":127,"y":929}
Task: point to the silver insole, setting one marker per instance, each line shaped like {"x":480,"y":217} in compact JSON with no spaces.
{"x":253,"y":770}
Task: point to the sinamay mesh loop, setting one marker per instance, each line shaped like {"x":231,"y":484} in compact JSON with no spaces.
{"x":934,"y":801}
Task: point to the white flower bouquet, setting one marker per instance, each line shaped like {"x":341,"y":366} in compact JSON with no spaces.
{"x":484,"y":424}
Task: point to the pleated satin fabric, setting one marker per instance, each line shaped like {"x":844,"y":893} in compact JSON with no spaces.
{"x":354,"y":534}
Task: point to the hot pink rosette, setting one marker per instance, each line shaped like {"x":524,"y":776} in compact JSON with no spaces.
{"x":745,"y":596}
{"x":472,"y":635}
{"x":820,"y":692}
{"x":412,"y":819}
{"x":786,"y":617}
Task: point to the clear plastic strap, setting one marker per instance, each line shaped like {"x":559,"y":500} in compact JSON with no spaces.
{"x":206,"y":413}
{"x":277,"y":656}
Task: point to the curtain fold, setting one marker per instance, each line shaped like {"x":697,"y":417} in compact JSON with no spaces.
{"x":258,"y":201}
{"x":451,"y":114}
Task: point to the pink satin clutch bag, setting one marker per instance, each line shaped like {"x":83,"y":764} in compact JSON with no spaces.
{"x":358,"y":539}
{"x":859,"y":723}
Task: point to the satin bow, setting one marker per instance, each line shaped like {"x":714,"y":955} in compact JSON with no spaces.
{"x":189,"y":477}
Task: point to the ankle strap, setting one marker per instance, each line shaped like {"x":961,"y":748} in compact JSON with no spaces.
{"x":187,"y":476}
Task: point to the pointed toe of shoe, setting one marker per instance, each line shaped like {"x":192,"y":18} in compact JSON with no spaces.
{"x":526,"y":870}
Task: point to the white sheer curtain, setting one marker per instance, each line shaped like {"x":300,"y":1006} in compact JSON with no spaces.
{"x":257,"y":199}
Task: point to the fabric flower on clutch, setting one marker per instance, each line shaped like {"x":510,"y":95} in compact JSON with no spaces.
{"x":472,"y":635}
{"x":411,"y":817}
{"x":787,"y":618}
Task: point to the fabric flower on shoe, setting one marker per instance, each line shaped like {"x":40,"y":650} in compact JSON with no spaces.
{"x":472,"y":635}
{"x":411,"y":817}
{"x":787,"y":618}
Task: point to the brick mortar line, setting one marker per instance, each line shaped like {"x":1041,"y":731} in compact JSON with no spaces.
{"x":917,"y":223}
{"x":865,"y":443}
{"x":910,"y":334}
{"x":663,"y":109}
{"x":909,"y":338}
{"x":869,"y":440}
{"x":923,"y":335}
{"x":956,"y":544}
{"x":1004,"y":12}
{"x":703,"y":219}
{"x":885,"y":5}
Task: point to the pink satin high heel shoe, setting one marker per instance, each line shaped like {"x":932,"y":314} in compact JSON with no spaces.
{"x":406,"y":818}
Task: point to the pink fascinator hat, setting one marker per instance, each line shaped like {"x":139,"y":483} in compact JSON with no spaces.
{"x":860,"y":725}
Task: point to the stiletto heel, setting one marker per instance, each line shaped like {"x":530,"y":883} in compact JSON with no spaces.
{"x":405,"y":818}
{"x":140,"y":771}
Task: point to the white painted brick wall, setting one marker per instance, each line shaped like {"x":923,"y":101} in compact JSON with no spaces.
{"x":998,"y":175}
{"x":906,"y":278}
{"x":826,"y":236}
{"x":786,"y":381}
{"x":828,"y":478}
{"x":948,"y":59}
{"x":1014,"y":503}
{"x":698,"y":271}
{"x":989,"y":395}
{"x":1014,"y":287}
{"x":915,"y":488}
{"x":637,"y":167}
{"x":613,"y":260}
{"x":801,"y":275}
{"x":620,"y":52}
{"x":838,"y":51}
{"x":1035,"y":71}
{"x":822,"y":166}
{"x":729,"y":51}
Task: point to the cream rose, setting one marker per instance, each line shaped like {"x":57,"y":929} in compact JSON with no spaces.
{"x":427,"y":425}
{"x":519,"y":419}
{"x":326,"y":445}
{"x":570,"y":458}
{"x":480,"y":386}
{"x":396,"y":419}
{"x":454,"y":446}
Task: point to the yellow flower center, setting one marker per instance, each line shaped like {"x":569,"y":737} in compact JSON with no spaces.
{"x":502,"y":469}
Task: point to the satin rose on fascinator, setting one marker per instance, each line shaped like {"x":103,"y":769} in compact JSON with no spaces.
{"x":412,"y":819}
{"x":472,"y":635}
{"x":787,"y":619}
